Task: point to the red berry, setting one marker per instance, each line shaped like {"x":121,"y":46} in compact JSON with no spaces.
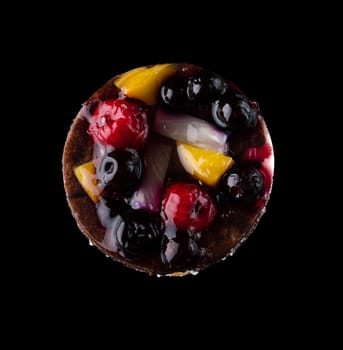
{"x":119,"y":123}
{"x":258,"y":154}
{"x":188,"y":207}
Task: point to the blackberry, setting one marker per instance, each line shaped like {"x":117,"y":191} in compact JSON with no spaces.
{"x":138,"y":232}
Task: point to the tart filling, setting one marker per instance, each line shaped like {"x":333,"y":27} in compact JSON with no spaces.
{"x":168,"y":168}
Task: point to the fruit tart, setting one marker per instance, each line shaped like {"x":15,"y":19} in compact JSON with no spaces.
{"x":168,"y":168}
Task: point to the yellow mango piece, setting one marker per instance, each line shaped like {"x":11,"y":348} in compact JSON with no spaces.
{"x":85,"y":173}
{"x":206,"y":165}
{"x":144,"y":83}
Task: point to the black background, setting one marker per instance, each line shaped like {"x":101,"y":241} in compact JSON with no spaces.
{"x":74,"y":60}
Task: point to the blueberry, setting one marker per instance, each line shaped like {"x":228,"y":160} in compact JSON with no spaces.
{"x":119,"y":171}
{"x":196,"y":88}
{"x":218,"y":86}
{"x":178,"y":248}
{"x":187,"y":90}
{"x":243,"y":183}
{"x":235,"y":112}
{"x":137,"y":233}
{"x":173,"y":92}
{"x":244,"y":113}
{"x":205,"y":87}
{"x":109,"y":207}
{"x":221,"y":113}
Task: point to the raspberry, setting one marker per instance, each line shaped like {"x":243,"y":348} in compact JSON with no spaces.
{"x":119,"y":123}
{"x":188,"y":207}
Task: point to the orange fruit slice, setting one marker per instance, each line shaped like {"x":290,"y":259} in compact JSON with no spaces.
{"x":85,"y":174}
{"x":144,"y":83}
{"x":206,"y":165}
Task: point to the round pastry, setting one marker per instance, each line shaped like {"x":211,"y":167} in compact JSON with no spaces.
{"x":168,"y":168}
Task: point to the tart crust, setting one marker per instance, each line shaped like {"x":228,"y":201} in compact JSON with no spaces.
{"x":223,"y":238}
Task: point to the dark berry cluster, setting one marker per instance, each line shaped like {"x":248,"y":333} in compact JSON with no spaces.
{"x":208,"y":96}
